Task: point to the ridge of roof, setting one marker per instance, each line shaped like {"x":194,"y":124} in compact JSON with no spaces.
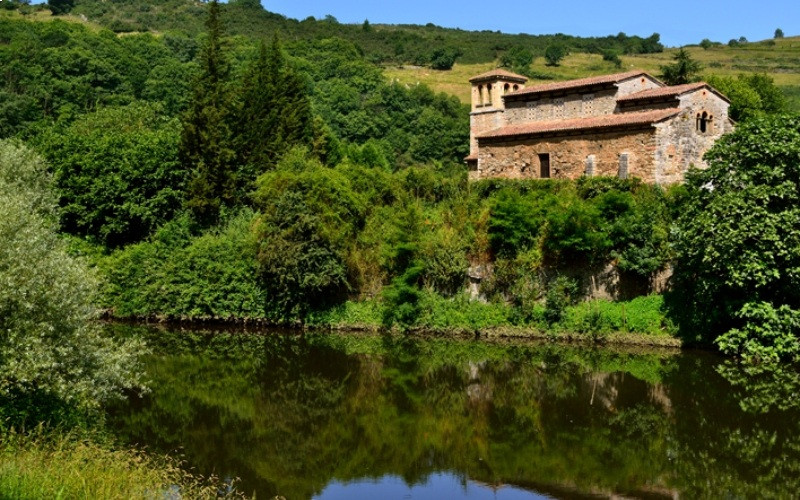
{"x":501,"y":73}
{"x":574,"y":84}
{"x":669,"y":91}
{"x":576,"y":124}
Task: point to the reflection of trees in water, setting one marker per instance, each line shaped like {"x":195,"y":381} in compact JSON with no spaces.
{"x":291,"y":413}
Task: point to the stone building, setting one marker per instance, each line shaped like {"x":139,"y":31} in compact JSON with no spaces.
{"x":627,"y":125}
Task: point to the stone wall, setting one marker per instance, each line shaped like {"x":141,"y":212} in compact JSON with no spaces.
{"x":518,"y":158}
{"x":679,"y":143}
{"x":483,"y":121}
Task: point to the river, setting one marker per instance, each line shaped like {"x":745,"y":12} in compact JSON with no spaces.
{"x":335,"y":416}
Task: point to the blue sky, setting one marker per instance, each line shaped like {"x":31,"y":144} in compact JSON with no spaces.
{"x":679,"y":22}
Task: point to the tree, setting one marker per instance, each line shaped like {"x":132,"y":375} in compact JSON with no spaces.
{"x":59,"y":7}
{"x":206,"y":142}
{"x":737,"y":277}
{"x":750,"y":95}
{"x":310,"y":215}
{"x":683,"y":70}
{"x":444,"y":58}
{"x":554,"y":53}
{"x":117,"y":172}
{"x":49,"y":350}
{"x":517,"y":59}
{"x":706,"y":43}
{"x":612,"y":56}
{"x":274,"y":114}
{"x":778,"y":33}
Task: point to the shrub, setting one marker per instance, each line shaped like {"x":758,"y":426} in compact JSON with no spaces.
{"x":49,"y":347}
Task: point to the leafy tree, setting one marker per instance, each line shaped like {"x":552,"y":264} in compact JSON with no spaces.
{"x":249,"y":4}
{"x":206,"y":147}
{"x":612,"y":56}
{"x":706,"y":44}
{"x":750,"y":95}
{"x":778,"y":33}
{"x":444,"y":58}
{"x":517,"y":59}
{"x":117,"y":173}
{"x":683,"y":70}
{"x":59,"y":7}
{"x":49,"y":349}
{"x":310,"y":215}
{"x":738,"y":268}
{"x":554,"y":53}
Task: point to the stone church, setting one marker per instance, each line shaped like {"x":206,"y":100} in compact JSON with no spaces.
{"x":627,"y":125}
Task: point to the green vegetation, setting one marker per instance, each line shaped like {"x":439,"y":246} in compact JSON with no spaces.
{"x":739,"y":243}
{"x":46,"y":464}
{"x":683,"y":70}
{"x":49,"y":351}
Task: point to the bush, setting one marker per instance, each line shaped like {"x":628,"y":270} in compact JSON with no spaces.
{"x":178,"y":275}
{"x":117,"y":173}
{"x":49,"y":347}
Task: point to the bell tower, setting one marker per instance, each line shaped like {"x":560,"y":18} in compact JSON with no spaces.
{"x":488,"y":107}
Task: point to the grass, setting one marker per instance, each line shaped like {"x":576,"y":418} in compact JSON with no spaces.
{"x":781,"y":61}
{"x":50,"y":464}
{"x":600,"y":320}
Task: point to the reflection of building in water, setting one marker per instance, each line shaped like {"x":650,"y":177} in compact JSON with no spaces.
{"x":626,"y":125}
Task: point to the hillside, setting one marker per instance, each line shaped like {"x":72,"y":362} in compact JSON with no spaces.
{"x":780,"y":59}
{"x":379,"y":43}
{"x":406,"y":50}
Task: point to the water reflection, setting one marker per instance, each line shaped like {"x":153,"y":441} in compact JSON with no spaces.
{"x":352,"y":415}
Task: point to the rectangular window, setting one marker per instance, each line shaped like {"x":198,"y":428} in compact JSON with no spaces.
{"x":531,"y":110}
{"x":623,"y":165}
{"x":544,"y":166}
{"x":588,"y":104}
{"x":558,"y":108}
{"x":590,"y":166}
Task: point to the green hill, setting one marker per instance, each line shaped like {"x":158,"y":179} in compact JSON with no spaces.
{"x":399,"y":46}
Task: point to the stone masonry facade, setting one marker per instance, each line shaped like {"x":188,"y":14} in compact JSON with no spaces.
{"x":627,"y":125}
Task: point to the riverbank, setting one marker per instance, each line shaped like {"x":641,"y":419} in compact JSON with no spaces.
{"x":639,"y":322}
{"x":48,"y":463}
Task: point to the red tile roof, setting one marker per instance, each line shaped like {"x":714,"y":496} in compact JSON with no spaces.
{"x":576,"y":84}
{"x":501,"y":73}
{"x":582,"y":124}
{"x":471,"y":158}
{"x":668,"y":92}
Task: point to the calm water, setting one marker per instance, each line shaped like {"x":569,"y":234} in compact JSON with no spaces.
{"x":349,"y":416}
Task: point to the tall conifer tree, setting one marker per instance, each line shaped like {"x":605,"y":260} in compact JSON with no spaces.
{"x":206,"y":147}
{"x":274,"y":112}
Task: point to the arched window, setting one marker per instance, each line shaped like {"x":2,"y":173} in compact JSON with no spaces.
{"x":516,"y":87}
{"x":505,"y":88}
{"x":703,"y":122}
{"x":480,"y":95}
{"x":489,"y":95}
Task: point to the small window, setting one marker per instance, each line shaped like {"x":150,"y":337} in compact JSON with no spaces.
{"x":489,"y":95}
{"x":544,"y":165}
{"x":516,"y":87}
{"x":703,"y":122}
{"x":623,"y":165}
{"x":505,"y":88}
{"x":480,"y":95}
{"x":589,"y":166}
{"x":558,"y":107}
{"x":588,"y":104}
